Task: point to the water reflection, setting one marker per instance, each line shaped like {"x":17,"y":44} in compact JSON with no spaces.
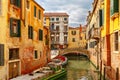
{"x":78,"y":68}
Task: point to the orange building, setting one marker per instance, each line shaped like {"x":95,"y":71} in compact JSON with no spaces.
{"x":22,"y":48}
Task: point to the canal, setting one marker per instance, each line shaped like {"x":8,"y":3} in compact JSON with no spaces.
{"x":78,"y":68}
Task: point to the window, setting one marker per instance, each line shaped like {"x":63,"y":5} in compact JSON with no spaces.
{"x":1,"y":54}
{"x":101,"y":17}
{"x":40,"y":34}
{"x":116,"y":41}
{"x":65,"y":39}
{"x":52,"y":27}
{"x":114,"y":6}
{"x":92,"y":44}
{"x":15,"y":28}
{"x":52,"y":19}
{"x":57,"y":19}
{"x":57,"y":28}
{"x":15,"y":2}
{"x":13,"y":53}
{"x":57,"y":38}
{"x":65,"y":28}
{"x":39,"y":14}
{"x":30,"y":32}
{"x":28,"y":4}
{"x":34,"y":11}
{"x":52,"y":38}
{"x":65,"y":19}
{"x":73,"y":39}
{"x":35,"y":54}
{"x":73,"y":32}
{"x":0,"y":7}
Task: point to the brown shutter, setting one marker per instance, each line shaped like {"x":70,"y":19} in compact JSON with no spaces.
{"x":1,"y":54}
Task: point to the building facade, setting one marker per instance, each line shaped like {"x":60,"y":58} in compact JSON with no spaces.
{"x":110,"y":39}
{"x":76,"y":37}
{"x":22,"y":43}
{"x":58,"y":29}
{"x":107,"y":59}
{"x":94,"y":23}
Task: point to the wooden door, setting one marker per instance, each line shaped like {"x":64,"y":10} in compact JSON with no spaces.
{"x":13,"y":69}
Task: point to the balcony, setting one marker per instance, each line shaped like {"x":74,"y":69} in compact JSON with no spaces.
{"x":52,"y":34}
{"x":95,"y":33}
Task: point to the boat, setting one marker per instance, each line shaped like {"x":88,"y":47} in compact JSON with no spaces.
{"x":63,"y":59}
{"x":58,"y":71}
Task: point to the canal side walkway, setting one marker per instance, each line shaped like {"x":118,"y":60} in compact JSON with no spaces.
{"x":36,"y":75}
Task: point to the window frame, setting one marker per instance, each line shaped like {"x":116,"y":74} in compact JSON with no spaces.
{"x":116,"y":41}
{"x":65,"y":19}
{"x":2,"y":60}
{"x":36,"y":54}
{"x":73,"y":40}
{"x":57,"y":19}
{"x":40,"y":34}
{"x":39,"y":14}
{"x":14,"y":22}
{"x":35,"y":11}
{"x":30,"y":32}
{"x":14,"y":54}
{"x":16,"y":3}
{"x":27,"y":4}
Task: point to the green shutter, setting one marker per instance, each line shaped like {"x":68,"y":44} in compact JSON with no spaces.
{"x":100,"y":18}
{"x":18,"y":3}
{"x":19,"y":29}
{"x":1,"y":54}
{"x":114,"y":6}
{"x":34,"y":11}
{"x":31,"y":32}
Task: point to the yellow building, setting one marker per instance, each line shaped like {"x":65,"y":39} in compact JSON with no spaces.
{"x":21,"y":43}
{"x":76,"y":38}
{"x":110,"y":39}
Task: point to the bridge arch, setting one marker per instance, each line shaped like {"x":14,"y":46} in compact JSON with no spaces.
{"x":76,"y":51}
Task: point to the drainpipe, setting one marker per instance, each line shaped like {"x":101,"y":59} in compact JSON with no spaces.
{"x":108,"y":33}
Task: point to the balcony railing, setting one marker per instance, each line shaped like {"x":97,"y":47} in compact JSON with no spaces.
{"x":95,"y":33}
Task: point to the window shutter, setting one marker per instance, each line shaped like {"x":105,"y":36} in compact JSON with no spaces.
{"x":114,"y":6}
{"x":40,"y":34}
{"x":19,"y":28}
{"x":34,"y":11}
{"x":1,"y":54}
{"x":31,"y":32}
{"x":100,"y":18}
{"x":11,"y":20}
{"x":18,"y":3}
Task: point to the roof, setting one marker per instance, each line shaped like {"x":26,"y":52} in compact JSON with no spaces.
{"x":38,"y":4}
{"x":54,"y":14}
{"x":74,"y":27}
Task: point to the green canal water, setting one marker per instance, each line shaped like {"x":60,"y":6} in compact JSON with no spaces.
{"x":77,"y":68}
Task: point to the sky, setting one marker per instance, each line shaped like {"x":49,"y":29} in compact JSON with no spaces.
{"x":76,"y":9}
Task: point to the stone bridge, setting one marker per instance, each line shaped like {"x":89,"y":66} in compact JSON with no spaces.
{"x":76,"y":51}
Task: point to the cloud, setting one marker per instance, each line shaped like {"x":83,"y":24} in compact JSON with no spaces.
{"x":76,"y":9}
